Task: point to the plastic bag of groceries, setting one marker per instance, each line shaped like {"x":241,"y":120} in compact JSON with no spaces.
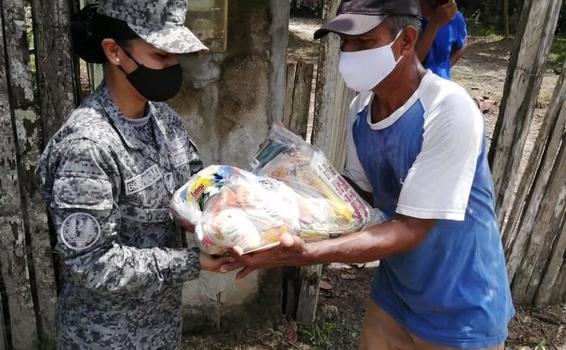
{"x":231,"y":207}
{"x":293,"y":189}
{"x":330,"y":206}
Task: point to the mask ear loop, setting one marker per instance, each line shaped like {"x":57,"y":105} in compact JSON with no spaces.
{"x":391,"y":45}
{"x":133,"y":59}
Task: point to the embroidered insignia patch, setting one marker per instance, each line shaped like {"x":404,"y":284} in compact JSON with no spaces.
{"x":169,"y":182}
{"x":79,"y":231}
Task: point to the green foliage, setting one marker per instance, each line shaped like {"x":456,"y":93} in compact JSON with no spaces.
{"x":321,"y":334}
{"x":541,"y":345}
{"x":558,"y":52}
{"x":488,"y":32}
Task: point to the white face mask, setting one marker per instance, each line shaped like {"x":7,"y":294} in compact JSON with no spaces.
{"x":364,"y":70}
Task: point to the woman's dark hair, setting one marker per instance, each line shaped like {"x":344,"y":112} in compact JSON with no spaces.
{"x":88,"y":29}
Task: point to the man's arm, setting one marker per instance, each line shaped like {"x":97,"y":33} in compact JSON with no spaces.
{"x":461,"y":41}
{"x":442,"y":15}
{"x":398,"y":235}
{"x":457,"y":54}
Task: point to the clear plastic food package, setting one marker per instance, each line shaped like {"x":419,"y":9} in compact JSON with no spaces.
{"x":291,"y":188}
{"x":330,"y":206}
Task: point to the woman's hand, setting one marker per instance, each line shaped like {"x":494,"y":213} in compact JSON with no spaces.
{"x":217,"y":264}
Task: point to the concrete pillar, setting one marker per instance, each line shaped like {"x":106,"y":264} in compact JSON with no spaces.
{"x":228,"y":102}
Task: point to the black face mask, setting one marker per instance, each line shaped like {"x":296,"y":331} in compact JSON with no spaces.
{"x":155,"y":84}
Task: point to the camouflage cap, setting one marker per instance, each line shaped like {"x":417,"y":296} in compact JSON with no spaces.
{"x":159,"y":22}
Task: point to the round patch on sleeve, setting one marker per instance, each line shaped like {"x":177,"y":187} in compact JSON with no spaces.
{"x":80,"y":231}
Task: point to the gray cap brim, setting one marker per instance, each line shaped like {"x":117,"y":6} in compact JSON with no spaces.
{"x":350,"y":24}
{"x":175,"y":39}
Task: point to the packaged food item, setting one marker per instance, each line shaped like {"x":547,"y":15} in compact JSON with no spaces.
{"x":231,"y":207}
{"x":329,"y":206}
{"x":292,"y":188}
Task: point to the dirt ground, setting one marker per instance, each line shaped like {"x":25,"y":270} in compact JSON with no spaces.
{"x":344,"y":289}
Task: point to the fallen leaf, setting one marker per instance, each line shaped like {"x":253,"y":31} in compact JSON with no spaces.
{"x":325,"y":285}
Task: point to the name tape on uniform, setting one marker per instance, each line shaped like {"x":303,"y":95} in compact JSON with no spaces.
{"x":143,"y":181}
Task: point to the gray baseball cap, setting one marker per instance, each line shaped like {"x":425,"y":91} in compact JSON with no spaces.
{"x":159,"y":22}
{"x":355,"y":17}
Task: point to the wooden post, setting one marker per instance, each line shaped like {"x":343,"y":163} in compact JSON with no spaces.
{"x":299,"y":88}
{"x":301,"y":285}
{"x":57,"y":68}
{"x":524,"y":78}
{"x":546,"y":232}
{"x":538,"y":169}
{"x":553,"y":286}
{"x":13,"y":260}
{"x":534,"y":238}
{"x":332,"y":98}
{"x":28,"y":140}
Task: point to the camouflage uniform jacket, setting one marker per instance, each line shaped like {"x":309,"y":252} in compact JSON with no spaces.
{"x":108,"y":194}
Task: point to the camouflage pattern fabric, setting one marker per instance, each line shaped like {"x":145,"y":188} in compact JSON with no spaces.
{"x":159,"y":22}
{"x":108,"y":194}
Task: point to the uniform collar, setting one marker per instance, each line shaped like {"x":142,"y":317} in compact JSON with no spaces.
{"x":125,"y":129}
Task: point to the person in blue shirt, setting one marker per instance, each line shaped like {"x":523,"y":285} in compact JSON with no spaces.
{"x":416,"y":149}
{"x":444,"y":36}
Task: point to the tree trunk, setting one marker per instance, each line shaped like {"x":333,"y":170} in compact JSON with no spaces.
{"x":524,"y":78}
{"x":57,"y":65}
{"x":19,"y":315}
{"x":28,"y":142}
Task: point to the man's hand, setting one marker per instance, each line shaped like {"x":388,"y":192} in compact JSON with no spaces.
{"x":439,"y":16}
{"x":291,"y":252}
{"x":444,"y":13}
{"x":217,"y":264}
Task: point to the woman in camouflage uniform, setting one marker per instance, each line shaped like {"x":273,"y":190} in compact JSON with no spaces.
{"x":108,"y":176}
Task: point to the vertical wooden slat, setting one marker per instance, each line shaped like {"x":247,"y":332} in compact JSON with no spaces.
{"x":56,"y":64}
{"x":3,"y":340}
{"x":301,"y":283}
{"x":13,"y":261}
{"x":299,"y":88}
{"x":530,"y":194}
{"x":29,"y":140}
{"x":552,"y":285}
{"x":524,"y":78}
{"x":309,"y":277}
{"x":545,"y":232}
{"x":332,"y":97}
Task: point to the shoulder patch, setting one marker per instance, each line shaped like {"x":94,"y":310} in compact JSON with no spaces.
{"x":79,"y":231}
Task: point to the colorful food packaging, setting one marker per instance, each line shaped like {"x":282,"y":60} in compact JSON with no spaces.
{"x":292,"y":189}
{"x":329,"y":206}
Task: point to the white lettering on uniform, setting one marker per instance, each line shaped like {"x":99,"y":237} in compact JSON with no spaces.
{"x":143,"y":181}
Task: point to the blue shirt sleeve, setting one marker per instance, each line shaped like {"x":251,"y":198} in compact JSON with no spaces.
{"x":460,"y":30}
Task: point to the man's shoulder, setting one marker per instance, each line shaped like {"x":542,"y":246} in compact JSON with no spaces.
{"x":458,"y":21}
{"x":446,"y":100}
{"x":439,"y":91}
